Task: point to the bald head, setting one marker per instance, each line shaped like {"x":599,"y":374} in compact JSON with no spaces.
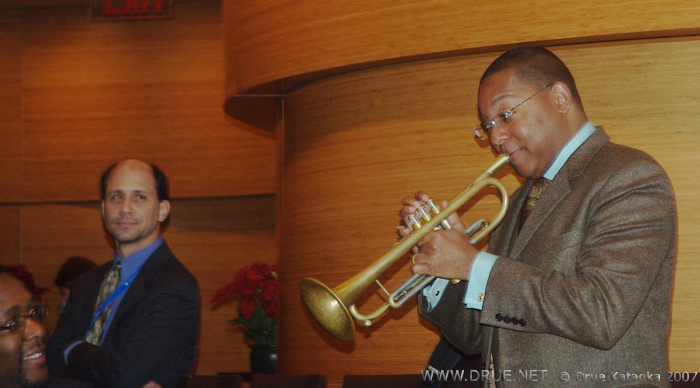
{"x":161,"y":181}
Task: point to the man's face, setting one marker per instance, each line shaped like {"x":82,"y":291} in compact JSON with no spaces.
{"x":531,"y":136}
{"x":22,"y":354}
{"x":131,"y":211}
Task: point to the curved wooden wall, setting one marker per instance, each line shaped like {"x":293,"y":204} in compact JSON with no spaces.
{"x":379,"y":99}
{"x":273,"y":40}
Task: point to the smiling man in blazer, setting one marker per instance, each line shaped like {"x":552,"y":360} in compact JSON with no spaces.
{"x":580,"y":289}
{"x":143,"y":330}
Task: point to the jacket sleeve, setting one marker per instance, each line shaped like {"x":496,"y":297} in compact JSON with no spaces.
{"x":68,"y":328}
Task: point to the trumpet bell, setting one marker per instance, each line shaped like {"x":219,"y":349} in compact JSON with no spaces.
{"x":328,"y":309}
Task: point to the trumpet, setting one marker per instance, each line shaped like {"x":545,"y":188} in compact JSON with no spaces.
{"x":334,"y":309}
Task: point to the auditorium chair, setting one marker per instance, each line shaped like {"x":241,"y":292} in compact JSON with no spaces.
{"x":382,"y":381}
{"x":288,"y":381}
{"x":204,"y":381}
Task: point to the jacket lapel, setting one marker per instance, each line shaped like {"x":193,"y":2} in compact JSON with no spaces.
{"x":550,"y":198}
{"x":137,"y":290}
{"x":555,"y":192}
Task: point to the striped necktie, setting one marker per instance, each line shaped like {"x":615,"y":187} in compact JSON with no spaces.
{"x":109,"y":284}
{"x":532,"y":197}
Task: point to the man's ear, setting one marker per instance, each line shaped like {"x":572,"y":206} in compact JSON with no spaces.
{"x":562,"y":96}
{"x":163,"y":210}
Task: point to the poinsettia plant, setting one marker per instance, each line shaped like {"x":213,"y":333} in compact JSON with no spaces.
{"x":256,"y":288}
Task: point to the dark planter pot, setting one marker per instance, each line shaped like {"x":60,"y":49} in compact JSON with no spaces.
{"x":263,"y":359}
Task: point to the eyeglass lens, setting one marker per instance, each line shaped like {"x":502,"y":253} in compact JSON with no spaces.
{"x":37,"y":313}
{"x":483,"y":130}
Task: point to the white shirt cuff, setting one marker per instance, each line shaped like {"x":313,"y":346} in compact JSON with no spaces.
{"x":433,"y":292}
{"x":478,"y":278}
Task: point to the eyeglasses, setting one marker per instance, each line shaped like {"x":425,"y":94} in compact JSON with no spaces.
{"x":16,"y":324}
{"x":483,"y":130}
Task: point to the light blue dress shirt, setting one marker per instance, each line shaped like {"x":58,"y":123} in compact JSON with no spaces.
{"x":484,"y":261}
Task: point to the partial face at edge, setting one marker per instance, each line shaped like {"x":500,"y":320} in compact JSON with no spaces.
{"x":22,"y":354}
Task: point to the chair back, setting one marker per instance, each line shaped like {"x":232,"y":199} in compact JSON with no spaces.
{"x":288,"y":381}
{"x":218,"y":381}
{"x":382,"y":381}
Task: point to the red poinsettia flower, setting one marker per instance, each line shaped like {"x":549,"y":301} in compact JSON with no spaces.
{"x":248,"y":307}
{"x":256,"y":288}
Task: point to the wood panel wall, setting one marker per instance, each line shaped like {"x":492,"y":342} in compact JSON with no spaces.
{"x":76,"y":96}
{"x":379,"y":99}
{"x":150,"y":89}
{"x":10,"y":107}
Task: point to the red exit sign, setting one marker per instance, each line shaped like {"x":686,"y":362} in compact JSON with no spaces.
{"x":131,"y":9}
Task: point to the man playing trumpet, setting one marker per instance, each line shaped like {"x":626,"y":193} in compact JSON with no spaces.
{"x":578,"y":276}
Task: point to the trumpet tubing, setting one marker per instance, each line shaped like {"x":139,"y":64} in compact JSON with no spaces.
{"x":334,"y":309}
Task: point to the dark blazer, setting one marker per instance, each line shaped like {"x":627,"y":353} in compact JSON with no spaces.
{"x":585,"y":286}
{"x":153,"y":335}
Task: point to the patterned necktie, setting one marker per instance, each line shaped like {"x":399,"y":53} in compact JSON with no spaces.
{"x":532,"y":197}
{"x":492,"y":375}
{"x":109,"y":284}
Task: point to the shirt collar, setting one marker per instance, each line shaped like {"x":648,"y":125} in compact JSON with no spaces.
{"x":134,"y":261}
{"x":569,"y":148}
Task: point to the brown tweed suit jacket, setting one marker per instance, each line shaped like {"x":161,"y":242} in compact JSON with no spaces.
{"x":584,"y":290}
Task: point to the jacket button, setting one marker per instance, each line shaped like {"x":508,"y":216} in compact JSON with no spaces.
{"x":522,"y":322}
{"x":499,"y":317}
{"x":507,"y":319}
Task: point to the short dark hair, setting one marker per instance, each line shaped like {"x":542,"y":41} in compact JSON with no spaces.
{"x":72,"y":269}
{"x":162,"y":184}
{"x":537,"y":65}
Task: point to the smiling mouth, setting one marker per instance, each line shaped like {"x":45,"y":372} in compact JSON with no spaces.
{"x":34,"y":356}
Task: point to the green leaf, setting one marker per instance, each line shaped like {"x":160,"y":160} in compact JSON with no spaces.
{"x":259,"y":328}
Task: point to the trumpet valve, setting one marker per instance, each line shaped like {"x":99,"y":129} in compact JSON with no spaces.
{"x":424,"y":215}
{"x":435,"y":209}
{"x":413,"y":222}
